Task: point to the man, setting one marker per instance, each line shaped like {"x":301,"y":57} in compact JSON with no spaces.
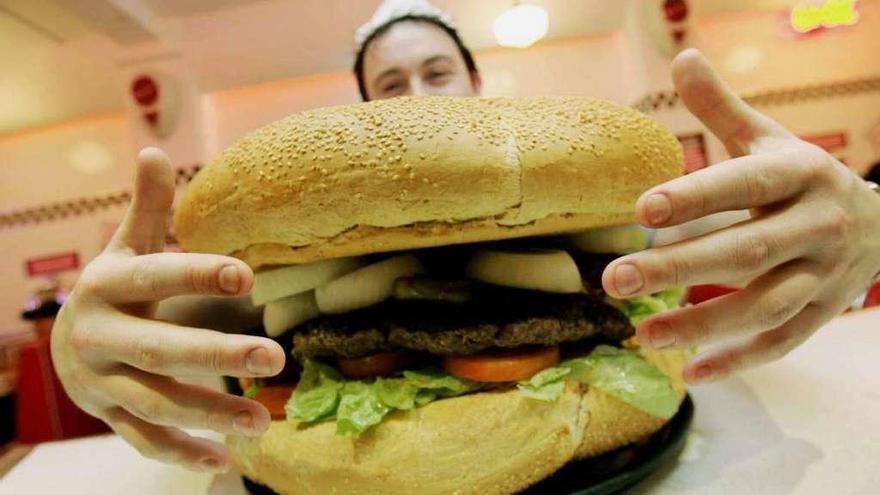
{"x":812,"y":244}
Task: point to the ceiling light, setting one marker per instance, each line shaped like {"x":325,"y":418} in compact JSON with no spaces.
{"x":90,"y":157}
{"x":521,"y":25}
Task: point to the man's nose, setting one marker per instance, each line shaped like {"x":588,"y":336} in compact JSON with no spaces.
{"x":416,"y":87}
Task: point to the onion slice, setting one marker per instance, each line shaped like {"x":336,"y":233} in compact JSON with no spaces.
{"x":271,"y":285}
{"x":548,"y":270}
{"x":286,"y":313}
{"x":366,"y":286}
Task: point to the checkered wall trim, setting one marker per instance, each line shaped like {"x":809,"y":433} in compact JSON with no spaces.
{"x":79,"y":206}
{"x":663,"y":100}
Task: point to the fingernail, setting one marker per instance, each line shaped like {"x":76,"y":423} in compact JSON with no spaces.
{"x":627,"y":279}
{"x":660,"y":335}
{"x":243,"y":423}
{"x":658,"y":209}
{"x":229,"y":279}
{"x":257,"y":362}
{"x":703,"y":373}
{"x":210,"y":464}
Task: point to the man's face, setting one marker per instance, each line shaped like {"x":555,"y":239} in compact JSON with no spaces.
{"x":416,"y":58}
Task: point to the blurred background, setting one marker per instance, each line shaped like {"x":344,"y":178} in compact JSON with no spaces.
{"x":85,"y":84}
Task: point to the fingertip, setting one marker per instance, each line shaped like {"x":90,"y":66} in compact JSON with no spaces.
{"x":246,"y":278}
{"x":214,"y":463}
{"x":642,"y":335}
{"x":154,"y":182}
{"x":690,"y":62}
{"x":691,"y":69}
{"x":229,"y":280}
{"x":654,"y":209}
{"x":699,"y":371}
{"x":234,"y":277}
{"x":277,"y":356}
{"x":151,"y":154}
{"x":608,"y":279}
{"x":262,"y":418}
{"x":641,"y":217}
{"x":266,"y":358}
{"x":688,"y":55}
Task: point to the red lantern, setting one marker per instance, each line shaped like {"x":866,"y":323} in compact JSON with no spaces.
{"x":675,"y":10}
{"x":145,"y":91}
{"x":678,"y":35}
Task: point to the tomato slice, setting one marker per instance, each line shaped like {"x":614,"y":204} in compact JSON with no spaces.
{"x":274,"y":397}
{"x":502,"y":366}
{"x":379,"y":364}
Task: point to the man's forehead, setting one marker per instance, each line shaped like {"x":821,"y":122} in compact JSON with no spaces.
{"x":410,"y":42}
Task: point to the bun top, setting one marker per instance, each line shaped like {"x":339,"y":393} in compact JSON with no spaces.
{"x":423,"y":171}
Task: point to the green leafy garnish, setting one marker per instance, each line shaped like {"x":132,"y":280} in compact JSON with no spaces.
{"x":639,"y":308}
{"x":251,"y":391}
{"x":626,"y":375}
{"x":622,"y":373}
{"x":316,"y":397}
{"x":324,"y":394}
{"x":359,"y":408}
{"x":440,"y":382}
{"x":546,"y":385}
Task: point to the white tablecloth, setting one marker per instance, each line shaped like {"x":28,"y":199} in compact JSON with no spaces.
{"x":808,"y":424}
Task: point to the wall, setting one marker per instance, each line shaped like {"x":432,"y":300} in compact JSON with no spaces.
{"x":233,"y":113}
{"x":82,"y":158}
{"x":68,"y":160}
{"x":755,"y":51}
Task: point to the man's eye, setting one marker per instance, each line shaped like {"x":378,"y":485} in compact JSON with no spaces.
{"x":437,"y":74}
{"x":391,"y":87}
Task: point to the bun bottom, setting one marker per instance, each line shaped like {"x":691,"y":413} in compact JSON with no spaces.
{"x":486,"y":443}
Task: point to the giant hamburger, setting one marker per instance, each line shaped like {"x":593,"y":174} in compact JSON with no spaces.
{"x":432,"y":261}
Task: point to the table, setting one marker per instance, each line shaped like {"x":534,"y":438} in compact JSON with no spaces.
{"x":808,"y":424}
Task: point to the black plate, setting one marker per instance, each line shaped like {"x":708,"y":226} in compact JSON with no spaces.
{"x":608,"y":473}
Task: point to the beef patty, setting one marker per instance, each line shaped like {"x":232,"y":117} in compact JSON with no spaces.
{"x":498,"y":317}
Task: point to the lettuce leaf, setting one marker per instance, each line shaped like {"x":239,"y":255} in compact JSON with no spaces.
{"x":396,"y":393}
{"x":639,"y":308}
{"x":621,"y":373}
{"x":316,"y":397}
{"x":441,"y":383}
{"x":546,"y":385}
{"x":672,"y":297}
{"x":425,"y":396}
{"x":251,"y":391}
{"x":359,"y":408}
{"x":324,"y":394}
{"x":626,"y":375}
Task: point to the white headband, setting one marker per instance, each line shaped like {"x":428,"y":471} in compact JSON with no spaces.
{"x":391,"y":10}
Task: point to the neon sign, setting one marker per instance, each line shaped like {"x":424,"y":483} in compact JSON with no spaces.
{"x":831,"y":13}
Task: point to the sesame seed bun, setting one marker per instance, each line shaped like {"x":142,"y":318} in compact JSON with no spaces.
{"x":427,"y":171}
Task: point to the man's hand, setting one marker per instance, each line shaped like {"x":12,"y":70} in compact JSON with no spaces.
{"x":811,"y":246}
{"x":117,"y":362}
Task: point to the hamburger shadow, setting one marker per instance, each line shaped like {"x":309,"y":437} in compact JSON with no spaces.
{"x":734,"y":446}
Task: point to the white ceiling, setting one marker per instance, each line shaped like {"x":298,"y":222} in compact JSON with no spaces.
{"x":65,"y":66}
